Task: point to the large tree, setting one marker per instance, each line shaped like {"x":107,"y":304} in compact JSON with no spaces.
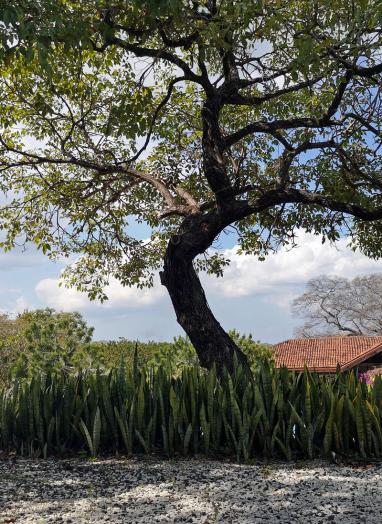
{"x":189,"y":116}
{"x":333,"y":305}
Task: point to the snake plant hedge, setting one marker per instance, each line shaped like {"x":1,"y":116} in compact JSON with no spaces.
{"x":133,"y":410}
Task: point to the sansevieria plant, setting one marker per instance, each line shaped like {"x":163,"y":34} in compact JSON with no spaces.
{"x":146,"y":409}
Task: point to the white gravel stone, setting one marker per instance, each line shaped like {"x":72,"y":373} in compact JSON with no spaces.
{"x":196,"y":491}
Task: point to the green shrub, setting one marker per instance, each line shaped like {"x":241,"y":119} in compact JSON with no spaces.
{"x":171,"y":355}
{"x":108,"y":354}
{"x":12,"y":346}
{"x":54,"y":342}
{"x":45,"y":340}
{"x":257,"y":352}
{"x":41,"y":341}
{"x":147,"y":409}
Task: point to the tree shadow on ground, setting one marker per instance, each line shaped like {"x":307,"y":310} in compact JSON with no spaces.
{"x":199,"y":491}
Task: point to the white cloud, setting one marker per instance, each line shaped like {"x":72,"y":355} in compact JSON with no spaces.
{"x":280,"y":277}
{"x":21,"y":304}
{"x":277,"y":280}
{"x":69,"y":299}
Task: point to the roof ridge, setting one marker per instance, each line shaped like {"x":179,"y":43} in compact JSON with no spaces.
{"x":347,"y":337}
{"x":366,"y":354}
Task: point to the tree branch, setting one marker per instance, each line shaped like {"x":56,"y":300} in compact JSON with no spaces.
{"x":32,"y":160}
{"x":146,"y":52}
{"x":276,"y":125}
{"x":155,"y":116}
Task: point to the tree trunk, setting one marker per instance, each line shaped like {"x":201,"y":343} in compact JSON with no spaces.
{"x":211,"y":342}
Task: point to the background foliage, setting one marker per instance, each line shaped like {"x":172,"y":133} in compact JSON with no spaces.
{"x":172,"y":355}
{"x":44,"y":341}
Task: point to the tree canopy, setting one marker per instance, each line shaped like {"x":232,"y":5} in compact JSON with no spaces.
{"x":188,"y":116}
{"x":43,"y":340}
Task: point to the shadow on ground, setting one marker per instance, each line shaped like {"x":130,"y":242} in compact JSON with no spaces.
{"x":197,"y":491}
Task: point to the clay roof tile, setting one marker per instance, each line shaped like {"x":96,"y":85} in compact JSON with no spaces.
{"x":324,"y":354}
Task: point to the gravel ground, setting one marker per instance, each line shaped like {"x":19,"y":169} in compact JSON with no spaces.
{"x":197,"y":491}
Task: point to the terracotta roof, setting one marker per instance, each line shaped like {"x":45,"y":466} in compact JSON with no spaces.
{"x":324,"y":354}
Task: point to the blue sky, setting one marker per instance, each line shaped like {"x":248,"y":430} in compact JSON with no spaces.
{"x":253,"y":297}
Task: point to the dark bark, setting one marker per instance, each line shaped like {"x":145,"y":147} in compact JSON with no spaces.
{"x":212,"y":344}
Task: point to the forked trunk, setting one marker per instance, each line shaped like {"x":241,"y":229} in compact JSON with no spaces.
{"x":211,"y":342}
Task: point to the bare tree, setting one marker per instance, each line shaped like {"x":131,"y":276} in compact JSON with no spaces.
{"x":332,"y":305}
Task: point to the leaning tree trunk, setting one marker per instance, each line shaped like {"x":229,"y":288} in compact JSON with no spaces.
{"x":211,"y":342}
